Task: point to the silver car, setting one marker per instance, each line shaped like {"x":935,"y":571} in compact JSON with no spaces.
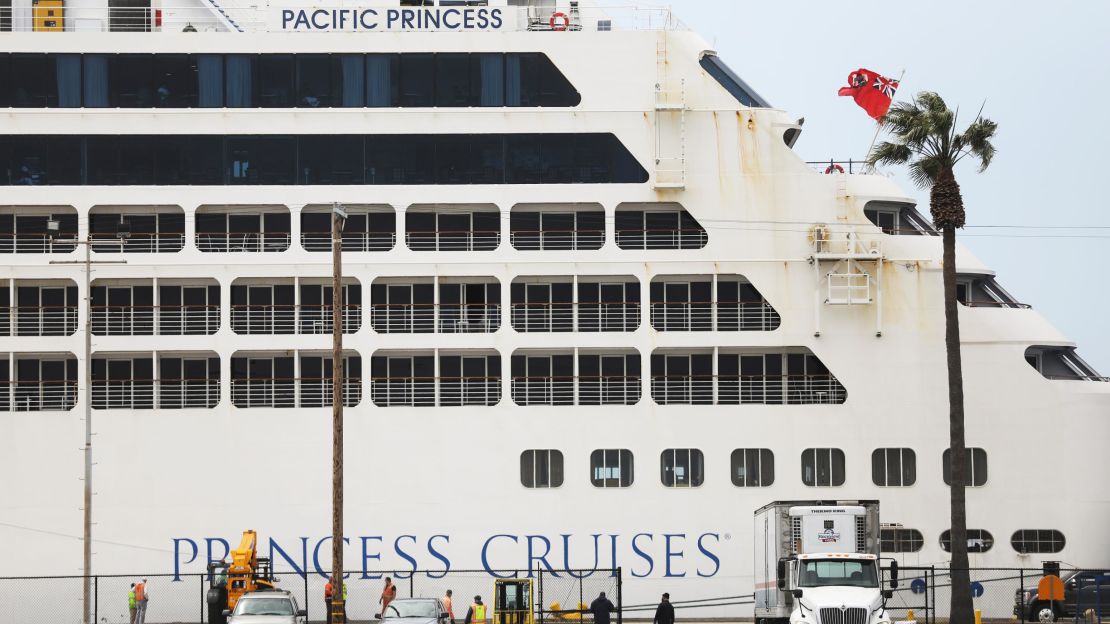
{"x":414,"y":611}
{"x":267,"y":607}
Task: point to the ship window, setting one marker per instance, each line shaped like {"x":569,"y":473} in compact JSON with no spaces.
{"x":543,"y":379}
{"x":131,"y":79}
{"x":123,"y":383}
{"x":262,"y":382}
{"x":608,"y":306}
{"x":1061,"y":363}
{"x":367,"y":228}
{"x":188,"y":382}
{"x":315,"y":383}
{"x":192,"y":310}
{"x":776,"y":378}
{"x":263,"y":309}
{"x":123,"y":310}
{"x":975,"y":466}
{"x":242,"y":231}
{"x":894,"y":467}
{"x":557,"y":230}
{"x":398,"y":381}
{"x":314,"y":81}
{"x":542,"y":306}
{"x":715,"y":67}
{"x":397,"y":308}
{"x":662,"y":228}
{"x":608,"y":379}
{"x":741,"y":307}
{"x":978,"y":540}
{"x":5,"y":317}
{"x":897,"y":219}
{"x":895,"y":539}
{"x":48,"y":384}
{"x":753,"y":467}
{"x":823,"y":467}
{"x":314,"y":314}
{"x":452,"y":230}
{"x":471,"y":379}
{"x":417,"y":81}
{"x":25,"y":230}
{"x":132,"y":232}
{"x":33,"y":81}
{"x":453,"y":80}
{"x":682,"y":305}
{"x":5,"y":26}
{"x":1038,"y":541}
{"x":41,"y":160}
{"x":611,"y":468}
{"x":466,"y":308}
{"x":175,"y":81}
{"x":682,"y":467}
{"x":46,"y":310}
{"x":682,"y":378}
{"x":262,"y":160}
{"x":541,"y":468}
{"x":274,"y":80}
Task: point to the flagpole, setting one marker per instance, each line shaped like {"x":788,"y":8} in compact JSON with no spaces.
{"x":869,"y":168}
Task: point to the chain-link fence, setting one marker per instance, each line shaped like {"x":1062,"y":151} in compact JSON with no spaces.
{"x":556,"y":595}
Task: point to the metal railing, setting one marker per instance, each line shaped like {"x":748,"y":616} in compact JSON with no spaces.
{"x":679,"y":238}
{"x":170,"y":320}
{"x":123,"y":394}
{"x":996,"y":304}
{"x":539,"y":240}
{"x":840,"y":166}
{"x":174,"y":18}
{"x":188,"y":393}
{"x":432,"y":391}
{"x":445,"y":318}
{"x":747,"y":389}
{"x":37,"y":396}
{"x":271,"y":392}
{"x":147,"y":393}
{"x":45,"y":320}
{"x":591,"y":317}
{"x":223,"y":242}
{"x":37,"y":243}
{"x":700,"y":316}
{"x":471,"y":240}
{"x":138,"y":242}
{"x":576,"y":390}
{"x":352,"y":241}
{"x":292,"y":319}
{"x":1076,"y":377}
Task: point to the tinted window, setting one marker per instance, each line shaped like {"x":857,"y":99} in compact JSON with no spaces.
{"x":274,"y":80}
{"x":33,"y":81}
{"x":417,"y":82}
{"x":261,"y":160}
{"x":175,"y":81}
{"x":314,"y":81}
{"x":131,"y":78}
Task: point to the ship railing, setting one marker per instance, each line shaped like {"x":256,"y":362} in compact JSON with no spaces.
{"x":432,"y":391}
{"x":283,"y":392}
{"x":562,"y":240}
{"x":576,"y":390}
{"x":1077,"y":377}
{"x":745,"y":389}
{"x":37,"y":243}
{"x":996,"y":304}
{"x":45,"y":320}
{"x":667,"y":238}
{"x":617,"y":316}
{"x":253,"y":242}
{"x":704,"y":315}
{"x":170,"y":18}
{"x":37,"y":396}
{"x":470,"y":240}
{"x":446,"y":318}
{"x":292,"y":319}
{"x":840,"y":166}
{"x":148,"y":320}
{"x":352,"y":241}
{"x":138,"y":242}
{"x":188,"y":393}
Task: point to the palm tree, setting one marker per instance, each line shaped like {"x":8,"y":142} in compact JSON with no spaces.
{"x":926,"y":138}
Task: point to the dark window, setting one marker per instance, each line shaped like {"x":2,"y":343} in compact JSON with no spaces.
{"x":659,"y":229}
{"x":611,"y":468}
{"x":132,"y":80}
{"x":330,"y":160}
{"x":753,"y":467}
{"x":417,"y":81}
{"x":190,"y":382}
{"x":398,"y":381}
{"x":315,"y":77}
{"x":452,"y":73}
{"x":469,"y":380}
{"x":33,"y":81}
{"x":823,"y":467}
{"x":402,"y":308}
{"x":274,"y":80}
{"x":682,"y":467}
{"x":541,"y":469}
{"x":678,"y":378}
{"x":119,"y":383}
{"x":543,"y":379}
{"x":608,"y":378}
{"x":978,"y":540}
{"x":900,"y":540}
{"x":608,"y":306}
{"x":175,"y":81}
{"x":542,"y":306}
{"x":975,"y":466}
{"x":557,"y":230}
{"x":732,"y":83}
{"x":41,"y":160}
{"x":261,"y":160}
{"x":1037,"y":541}
{"x":894,"y":467}
{"x":262,"y":382}
{"x":316,"y":377}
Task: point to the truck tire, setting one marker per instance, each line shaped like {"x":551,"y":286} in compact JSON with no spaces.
{"x":1044,"y":613}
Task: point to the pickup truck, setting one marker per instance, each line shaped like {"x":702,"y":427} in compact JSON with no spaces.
{"x":1084,"y":589}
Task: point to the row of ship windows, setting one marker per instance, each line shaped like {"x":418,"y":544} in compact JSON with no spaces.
{"x":551,"y":378}
{"x":896,"y":539}
{"x":537,"y":304}
{"x":365,"y":230}
{"x":282,"y":80}
{"x":751,"y":467}
{"x":339,"y":159}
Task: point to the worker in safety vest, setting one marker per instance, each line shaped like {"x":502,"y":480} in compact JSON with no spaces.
{"x":131,"y":603}
{"x":476,"y":614}
{"x":141,"y":598}
{"x":328,"y":591}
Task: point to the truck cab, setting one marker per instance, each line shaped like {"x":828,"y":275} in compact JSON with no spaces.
{"x":835,"y":588}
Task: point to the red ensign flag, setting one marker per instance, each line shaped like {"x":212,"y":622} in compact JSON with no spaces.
{"x":871,"y":91}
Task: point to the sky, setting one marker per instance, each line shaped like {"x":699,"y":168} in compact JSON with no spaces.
{"x":1041,"y":70}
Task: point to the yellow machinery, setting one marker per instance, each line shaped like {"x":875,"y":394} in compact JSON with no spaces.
{"x":247,"y":572}
{"x":48,"y":15}
{"x":512,"y":601}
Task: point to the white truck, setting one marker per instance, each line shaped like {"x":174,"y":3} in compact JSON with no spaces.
{"x":817,"y":562}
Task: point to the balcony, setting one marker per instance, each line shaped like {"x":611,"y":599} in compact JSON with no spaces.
{"x":576,"y":390}
{"x":658,"y":226}
{"x":453,"y":228}
{"x":747,"y":389}
{"x":540,"y":227}
{"x":149,"y":229}
{"x":1061,"y":364}
{"x":410,"y":308}
{"x":46,"y":320}
{"x":618,"y":316}
{"x":248,"y":229}
{"x":984,"y":291}
{"x":422,"y":391}
{"x":37,"y":396}
{"x":700,"y":315}
{"x":31,"y":229}
{"x":292,"y":319}
{"x":367,"y":228}
{"x":283,"y":393}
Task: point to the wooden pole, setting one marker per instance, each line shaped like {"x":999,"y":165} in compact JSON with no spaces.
{"x":338,"y":607}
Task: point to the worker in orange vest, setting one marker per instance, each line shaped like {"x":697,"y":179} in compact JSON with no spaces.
{"x":328,"y":591}
{"x":141,"y":598}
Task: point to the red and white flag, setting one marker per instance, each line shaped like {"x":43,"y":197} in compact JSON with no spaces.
{"x":871,"y":91}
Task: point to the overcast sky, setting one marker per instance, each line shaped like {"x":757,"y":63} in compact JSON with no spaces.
{"x":1042,"y":70}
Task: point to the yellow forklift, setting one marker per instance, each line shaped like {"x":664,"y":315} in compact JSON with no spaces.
{"x":512,"y":601}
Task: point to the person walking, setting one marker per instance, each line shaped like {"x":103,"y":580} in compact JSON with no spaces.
{"x":142,"y":599}
{"x":476,"y":614}
{"x":601,"y":607}
{"x":131,"y":603}
{"x":449,"y":605}
{"x":389,"y":592}
{"x":664,"y":613}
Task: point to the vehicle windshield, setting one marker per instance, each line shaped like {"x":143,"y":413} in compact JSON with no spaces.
{"x":264,"y":606}
{"x":411,"y":609}
{"x":826,"y":572}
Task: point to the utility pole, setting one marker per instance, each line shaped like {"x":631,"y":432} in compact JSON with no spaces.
{"x":338,"y":608}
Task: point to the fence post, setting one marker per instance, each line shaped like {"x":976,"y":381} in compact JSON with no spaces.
{"x":620,"y":599}
{"x":541,"y":609}
{"x":96,"y":599}
{"x":411,"y":584}
{"x":203,"y":598}
{"x":306,"y":600}
{"x":1021,"y":593}
{"x":933,"y":595}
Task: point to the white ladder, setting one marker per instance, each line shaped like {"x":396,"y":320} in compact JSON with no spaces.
{"x":670,"y":124}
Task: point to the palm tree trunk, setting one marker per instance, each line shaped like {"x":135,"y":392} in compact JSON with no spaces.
{"x":961,"y":608}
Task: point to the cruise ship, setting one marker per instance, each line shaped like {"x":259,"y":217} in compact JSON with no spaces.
{"x":597,"y":310}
